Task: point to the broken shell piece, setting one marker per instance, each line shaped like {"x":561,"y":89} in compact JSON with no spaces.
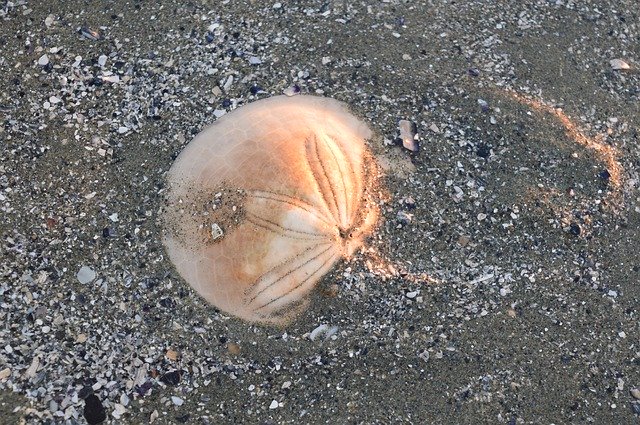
{"x":292,"y":90}
{"x":619,"y":64}
{"x":216,"y":231}
{"x":91,"y":34}
{"x":323,"y":329}
{"x":408,"y":135}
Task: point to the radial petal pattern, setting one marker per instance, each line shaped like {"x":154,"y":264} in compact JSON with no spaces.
{"x":263,"y":203}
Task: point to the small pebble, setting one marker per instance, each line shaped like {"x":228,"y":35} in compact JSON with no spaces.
{"x":94,"y":411}
{"x":273,"y":405}
{"x":85,"y":275}
{"x":635,"y":392}
{"x":102,"y":60}
{"x":44,"y":60}
{"x":177,"y":400}
{"x":5,"y":373}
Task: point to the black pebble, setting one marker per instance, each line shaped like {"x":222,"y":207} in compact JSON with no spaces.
{"x":483,"y":151}
{"x":85,"y":392}
{"x":167,"y":303}
{"x":94,"y":411}
{"x":171,"y":378}
{"x":183,"y":419}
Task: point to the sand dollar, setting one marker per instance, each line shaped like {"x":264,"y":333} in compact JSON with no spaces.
{"x":263,"y":203}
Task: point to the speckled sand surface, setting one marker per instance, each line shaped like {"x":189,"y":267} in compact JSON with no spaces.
{"x":502,"y":285}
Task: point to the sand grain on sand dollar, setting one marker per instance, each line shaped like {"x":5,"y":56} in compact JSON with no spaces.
{"x":263,"y":203}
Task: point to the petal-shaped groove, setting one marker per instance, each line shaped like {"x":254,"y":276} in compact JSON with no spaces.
{"x":321,"y":175}
{"x":284,"y":179}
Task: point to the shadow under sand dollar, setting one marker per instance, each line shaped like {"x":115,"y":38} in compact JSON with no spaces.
{"x":264,"y":202}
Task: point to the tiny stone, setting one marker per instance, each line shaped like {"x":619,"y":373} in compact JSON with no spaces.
{"x":273,"y":405}
{"x":102,"y":60}
{"x":464,"y":240}
{"x":177,"y":400}
{"x":94,"y":411}
{"x":635,"y":392}
{"x":5,"y":373}
{"x":412,"y":294}
{"x":124,"y":400}
{"x":254,"y":60}
{"x":122,"y":130}
{"x":277,"y":5}
{"x":171,"y":378}
{"x":85,"y":275}
{"x":233,"y":348}
{"x":118,"y":411}
{"x":406,"y":57}
{"x":44,"y":60}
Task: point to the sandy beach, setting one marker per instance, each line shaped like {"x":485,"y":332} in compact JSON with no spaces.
{"x":500,"y":285}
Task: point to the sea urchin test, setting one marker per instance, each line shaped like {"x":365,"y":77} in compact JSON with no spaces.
{"x":263,"y":203}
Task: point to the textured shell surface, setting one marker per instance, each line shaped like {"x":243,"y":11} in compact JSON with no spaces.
{"x":264,"y":202}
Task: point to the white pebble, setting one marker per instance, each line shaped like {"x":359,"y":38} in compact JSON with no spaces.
{"x":124,"y":400}
{"x":102,"y":60}
{"x":177,"y":400}
{"x":273,"y":405}
{"x":44,"y":60}
{"x":85,"y":275}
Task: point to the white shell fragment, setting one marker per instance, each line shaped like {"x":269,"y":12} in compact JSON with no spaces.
{"x":216,"y":231}
{"x":619,"y":64}
{"x":408,"y":134}
{"x":285,"y":180}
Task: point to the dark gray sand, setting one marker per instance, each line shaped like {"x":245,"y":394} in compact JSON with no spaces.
{"x":501,"y":285}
